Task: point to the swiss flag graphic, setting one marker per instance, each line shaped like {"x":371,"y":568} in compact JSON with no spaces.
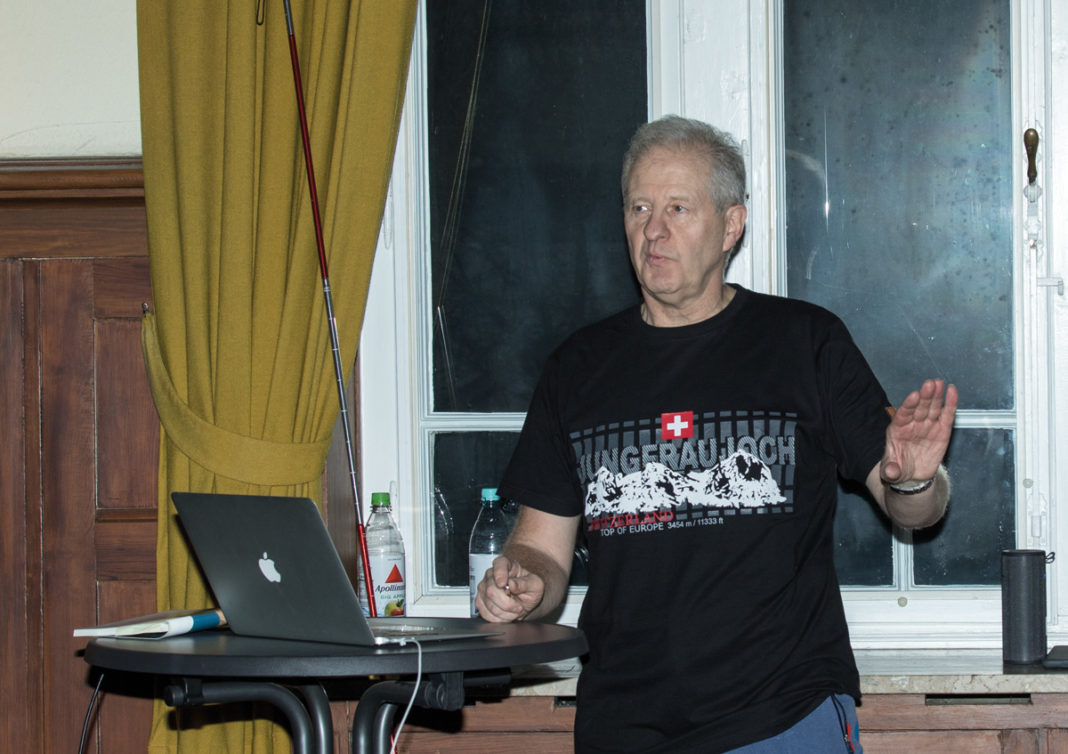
{"x":676,"y":425}
{"x":394,"y":576}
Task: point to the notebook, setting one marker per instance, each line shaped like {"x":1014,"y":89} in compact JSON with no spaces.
{"x":1057,"y":657}
{"x":275,"y":573}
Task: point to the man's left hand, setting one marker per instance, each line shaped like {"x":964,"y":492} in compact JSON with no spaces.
{"x":919,"y":433}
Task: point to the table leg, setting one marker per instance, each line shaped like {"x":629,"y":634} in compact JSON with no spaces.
{"x":383,"y":728}
{"x":318,"y":705}
{"x":193,"y":692}
{"x":372,"y":725}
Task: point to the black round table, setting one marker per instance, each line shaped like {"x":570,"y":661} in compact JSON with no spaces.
{"x":218,"y":666}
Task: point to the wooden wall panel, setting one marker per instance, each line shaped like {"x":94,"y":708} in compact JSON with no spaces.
{"x":1021,"y":741}
{"x":488,"y":743}
{"x":127,"y":426}
{"x":68,"y":487}
{"x":73,"y":278}
{"x":905,"y":711}
{"x":933,"y":742}
{"x":121,"y":287}
{"x":531,"y":724}
{"x":126,"y":547}
{"x":73,"y":228}
{"x":19,"y":690}
{"x":125,"y":718}
{"x":535,"y":713}
{"x":127,"y":453}
{"x":34,"y":619}
{"x":1056,"y":741}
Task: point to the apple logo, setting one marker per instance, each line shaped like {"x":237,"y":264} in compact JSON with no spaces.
{"x":269,"y":571}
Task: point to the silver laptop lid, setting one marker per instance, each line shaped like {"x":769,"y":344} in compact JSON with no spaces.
{"x":275,"y":573}
{"x":272,"y":567}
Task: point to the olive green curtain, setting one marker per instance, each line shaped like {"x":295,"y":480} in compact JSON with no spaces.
{"x":237,"y":349}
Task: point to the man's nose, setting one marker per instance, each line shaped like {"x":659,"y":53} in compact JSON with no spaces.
{"x":655,"y":228}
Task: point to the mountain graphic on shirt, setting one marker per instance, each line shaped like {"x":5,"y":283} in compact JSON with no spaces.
{"x":739,"y":481}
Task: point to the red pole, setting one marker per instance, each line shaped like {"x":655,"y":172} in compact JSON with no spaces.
{"x":361,"y":531}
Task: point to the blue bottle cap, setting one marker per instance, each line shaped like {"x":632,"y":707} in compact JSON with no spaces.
{"x":490,"y":493}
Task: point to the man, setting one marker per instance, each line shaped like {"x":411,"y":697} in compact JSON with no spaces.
{"x":698,"y":438}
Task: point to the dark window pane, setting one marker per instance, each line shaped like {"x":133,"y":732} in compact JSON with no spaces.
{"x":528,"y":125}
{"x":464,"y":463}
{"x":965,"y":547}
{"x":863,"y":552}
{"x":898,"y":167}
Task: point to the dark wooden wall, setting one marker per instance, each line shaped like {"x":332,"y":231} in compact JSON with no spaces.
{"x":79,"y":448}
{"x":78,"y":458}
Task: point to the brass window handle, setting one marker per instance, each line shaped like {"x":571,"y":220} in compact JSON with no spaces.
{"x":1031,"y":145}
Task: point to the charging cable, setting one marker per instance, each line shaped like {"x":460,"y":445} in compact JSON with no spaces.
{"x":843,"y":723}
{"x":89,"y":713}
{"x":415,"y":690}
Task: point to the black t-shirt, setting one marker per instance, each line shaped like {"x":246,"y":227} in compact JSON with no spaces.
{"x":704,"y":461}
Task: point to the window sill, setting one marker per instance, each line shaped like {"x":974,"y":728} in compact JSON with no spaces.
{"x":882,"y":671}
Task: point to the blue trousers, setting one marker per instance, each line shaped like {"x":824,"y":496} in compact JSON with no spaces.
{"x":830,"y":728}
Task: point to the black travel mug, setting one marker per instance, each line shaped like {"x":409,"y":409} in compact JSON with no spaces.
{"x":1023,"y":605}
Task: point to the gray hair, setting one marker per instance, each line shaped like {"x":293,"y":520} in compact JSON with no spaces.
{"x":726,"y":173}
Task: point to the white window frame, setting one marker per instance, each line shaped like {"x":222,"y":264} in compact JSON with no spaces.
{"x":740,"y":41}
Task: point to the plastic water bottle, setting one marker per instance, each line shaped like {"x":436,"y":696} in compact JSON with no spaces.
{"x":385,"y":550}
{"x":487,"y":540}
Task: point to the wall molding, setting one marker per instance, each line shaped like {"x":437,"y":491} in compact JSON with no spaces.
{"x":44,"y":178}
{"x":63,"y":209}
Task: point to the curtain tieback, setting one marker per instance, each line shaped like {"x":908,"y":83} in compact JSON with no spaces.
{"x":229,"y":454}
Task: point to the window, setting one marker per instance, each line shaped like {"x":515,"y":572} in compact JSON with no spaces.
{"x":889,"y":192}
{"x":528,"y":109}
{"x":901,"y":217}
{"x":899,"y":178}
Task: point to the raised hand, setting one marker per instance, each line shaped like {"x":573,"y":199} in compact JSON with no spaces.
{"x":919,"y":433}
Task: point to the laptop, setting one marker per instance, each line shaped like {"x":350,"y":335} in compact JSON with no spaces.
{"x":275,"y":573}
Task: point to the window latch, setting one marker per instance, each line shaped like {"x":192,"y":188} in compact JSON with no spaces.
{"x":1032,"y":191}
{"x":1053,"y":282}
{"x":1031,"y":146}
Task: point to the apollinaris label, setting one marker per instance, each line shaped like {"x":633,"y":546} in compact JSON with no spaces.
{"x":387,"y":578}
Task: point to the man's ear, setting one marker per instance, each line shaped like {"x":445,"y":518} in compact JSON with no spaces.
{"x":734,"y":225}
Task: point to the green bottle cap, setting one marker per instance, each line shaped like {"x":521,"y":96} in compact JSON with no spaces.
{"x":379,"y":499}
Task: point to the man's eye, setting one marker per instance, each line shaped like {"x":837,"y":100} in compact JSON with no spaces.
{"x":678,"y":208}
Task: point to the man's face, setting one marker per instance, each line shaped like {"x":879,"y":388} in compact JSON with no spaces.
{"x":678,"y":239}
